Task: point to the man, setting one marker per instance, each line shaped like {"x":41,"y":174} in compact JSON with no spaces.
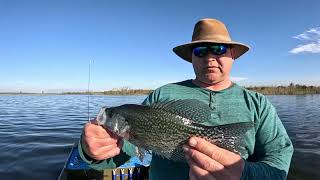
{"x":212,"y":53}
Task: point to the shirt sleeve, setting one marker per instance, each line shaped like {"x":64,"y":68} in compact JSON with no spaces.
{"x":152,"y":98}
{"x":260,"y":170}
{"x":273,"y":148}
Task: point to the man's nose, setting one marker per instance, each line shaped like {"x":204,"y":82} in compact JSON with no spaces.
{"x":210,"y":57}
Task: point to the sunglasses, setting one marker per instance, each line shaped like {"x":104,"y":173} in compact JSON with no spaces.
{"x":202,"y":51}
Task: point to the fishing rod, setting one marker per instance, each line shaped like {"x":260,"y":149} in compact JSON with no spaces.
{"x":88,"y":91}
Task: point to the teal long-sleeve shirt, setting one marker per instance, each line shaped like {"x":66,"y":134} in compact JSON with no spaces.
{"x":269,"y":149}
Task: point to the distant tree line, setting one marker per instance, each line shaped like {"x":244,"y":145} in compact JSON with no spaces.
{"x":292,"y":89}
{"x":127,"y":91}
{"x":117,"y":91}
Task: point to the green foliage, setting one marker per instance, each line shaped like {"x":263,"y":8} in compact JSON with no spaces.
{"x":120,"y":91}
{"x":127,"y":91}
{"x":292,"y":89}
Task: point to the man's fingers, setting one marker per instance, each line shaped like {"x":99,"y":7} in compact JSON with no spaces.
{"x":114,"y":152}
{"x":206,"y":157}
{"x":221,"y":155}
{"x":97,"y":143}
{"x":92,"y":130}
{"x":204,"y":161}
{"x":105,"y":153}
{"x":100,"y":149}
{"x":103,"y":150}
{"x":197,"y":173}
{"x":200,"y":174}
{"x":203,"y":164}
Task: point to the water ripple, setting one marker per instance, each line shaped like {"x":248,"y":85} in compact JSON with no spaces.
{"x":37,"y":132}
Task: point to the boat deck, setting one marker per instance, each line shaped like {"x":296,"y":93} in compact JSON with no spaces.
{"x":76,"y":168}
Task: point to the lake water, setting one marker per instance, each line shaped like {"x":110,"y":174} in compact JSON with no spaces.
{"x":38,"y":131}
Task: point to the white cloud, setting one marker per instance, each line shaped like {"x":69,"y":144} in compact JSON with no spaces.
{"x":309,"y":48}
{"x":310,"y":35}
{"x":312,"y":39}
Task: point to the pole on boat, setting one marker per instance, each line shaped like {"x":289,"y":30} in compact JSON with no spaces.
{"x":88,"y":91}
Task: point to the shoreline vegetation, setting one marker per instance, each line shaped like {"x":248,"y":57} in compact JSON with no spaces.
{"x":292,"y":89}
{"x":117,"y":92}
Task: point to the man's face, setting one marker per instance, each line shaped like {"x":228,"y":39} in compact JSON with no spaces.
{"x":211,"y":68}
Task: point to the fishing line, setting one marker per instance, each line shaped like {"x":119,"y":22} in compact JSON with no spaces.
{"x":88,"y":91}
{"x":88,"y":95}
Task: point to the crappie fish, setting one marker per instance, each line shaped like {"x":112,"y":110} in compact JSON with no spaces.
{"x":164,"y":127}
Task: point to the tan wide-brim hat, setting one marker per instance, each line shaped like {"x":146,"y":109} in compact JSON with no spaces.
{"x":209,"y":31}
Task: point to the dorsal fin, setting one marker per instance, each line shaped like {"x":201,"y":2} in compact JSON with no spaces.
{"x":192,"y":109}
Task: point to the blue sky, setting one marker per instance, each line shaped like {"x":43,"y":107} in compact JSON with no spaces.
{"x":47,"y":45}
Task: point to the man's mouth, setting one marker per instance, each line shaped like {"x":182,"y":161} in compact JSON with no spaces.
{"x":211,"y":69}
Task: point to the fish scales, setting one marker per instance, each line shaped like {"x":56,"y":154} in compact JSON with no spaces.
{"x":165,"y":131}
{"x":151,"y":127}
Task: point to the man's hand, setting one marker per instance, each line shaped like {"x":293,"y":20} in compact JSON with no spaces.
{"x":99,"y":143}
{"x":210,"y":162}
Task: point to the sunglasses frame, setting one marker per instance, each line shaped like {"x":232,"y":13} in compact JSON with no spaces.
{"x":213,"y":48}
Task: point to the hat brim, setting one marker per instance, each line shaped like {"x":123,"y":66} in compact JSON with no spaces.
{"x":185,"y":51}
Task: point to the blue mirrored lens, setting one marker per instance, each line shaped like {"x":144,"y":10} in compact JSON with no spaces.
{"x":214,"y":49}
{"x":200,"y":51}
{"x":218,"y":49}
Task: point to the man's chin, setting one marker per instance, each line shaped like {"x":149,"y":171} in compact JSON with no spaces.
{"x":209,"y":82}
